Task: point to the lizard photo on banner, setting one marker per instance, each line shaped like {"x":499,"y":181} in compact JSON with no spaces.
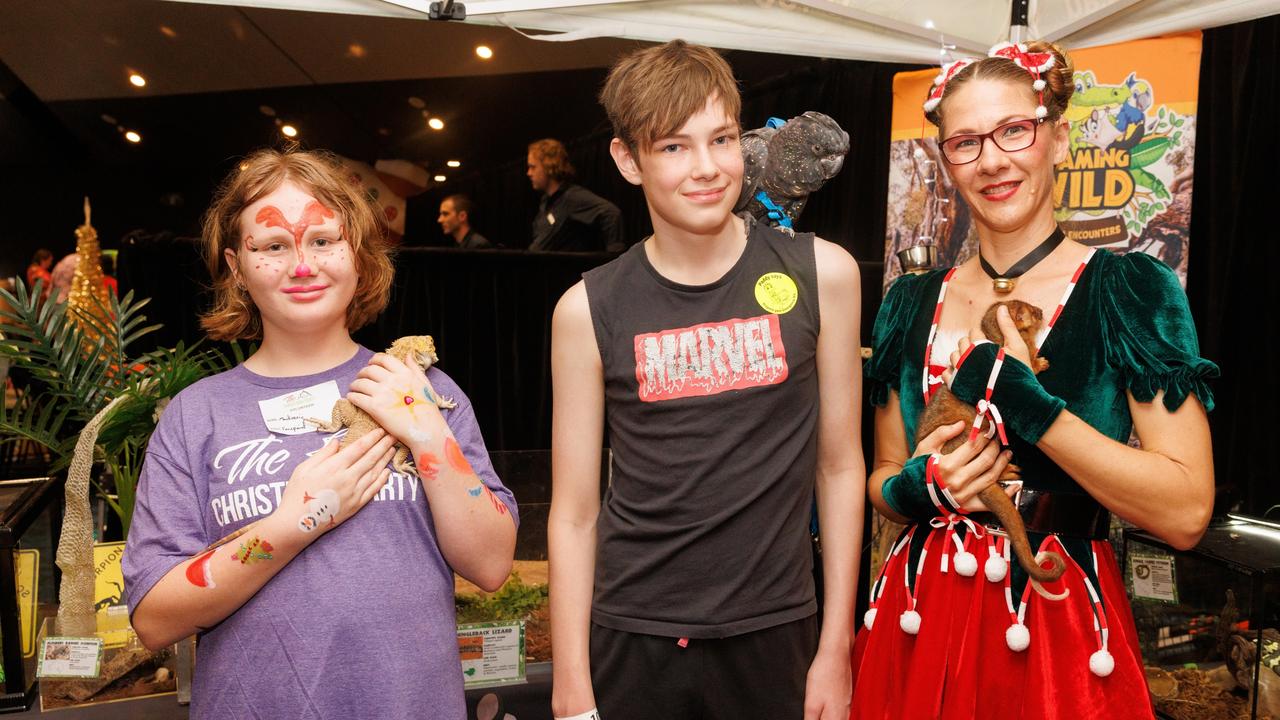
{"x":1125,"y":186}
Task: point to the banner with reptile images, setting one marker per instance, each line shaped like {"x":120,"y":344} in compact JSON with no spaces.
{"x":1125,"y":185}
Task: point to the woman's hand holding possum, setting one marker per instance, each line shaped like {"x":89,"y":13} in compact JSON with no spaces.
{"x":1014,"y":344}
{"x":970,"y":468}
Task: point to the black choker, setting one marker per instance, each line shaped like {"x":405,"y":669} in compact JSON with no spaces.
{"x":1004,"y":282}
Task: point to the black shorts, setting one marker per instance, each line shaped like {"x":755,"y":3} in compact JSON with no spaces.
{"x":755,"y":676}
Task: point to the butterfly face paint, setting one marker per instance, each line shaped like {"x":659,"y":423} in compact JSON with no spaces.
{"x":314,"y":213}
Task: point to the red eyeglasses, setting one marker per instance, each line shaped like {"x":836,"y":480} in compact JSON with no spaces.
{"x":1010,"y":137}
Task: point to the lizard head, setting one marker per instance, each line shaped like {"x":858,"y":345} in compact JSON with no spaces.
{"x":419,"y":350}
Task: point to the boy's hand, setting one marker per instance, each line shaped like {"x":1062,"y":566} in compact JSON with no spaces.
{"x":829,"y":687}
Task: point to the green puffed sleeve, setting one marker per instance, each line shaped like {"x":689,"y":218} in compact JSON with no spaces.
{"x":897,"y":312}
{"x":1149,"y":333}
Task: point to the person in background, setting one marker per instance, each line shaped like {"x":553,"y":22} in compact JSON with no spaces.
{"x":63,"y":273}
{"x":570,"y":217}
{"x":455,"y":221}
{"x":38,"y":271}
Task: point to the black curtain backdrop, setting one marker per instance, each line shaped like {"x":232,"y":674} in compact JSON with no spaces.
{"x":490,"y":312}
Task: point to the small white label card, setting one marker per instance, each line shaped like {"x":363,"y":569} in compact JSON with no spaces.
{"x":492,"y":653}
{"x":288,"y":414}
{"x":1153,"y":577}
{"x":69,"y":657}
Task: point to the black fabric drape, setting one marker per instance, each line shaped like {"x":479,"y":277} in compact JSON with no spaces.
{"x":1234,"y":254}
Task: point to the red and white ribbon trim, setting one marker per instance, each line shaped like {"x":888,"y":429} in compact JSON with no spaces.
{"x":1066,"y":295}
{"x":962,"y":547}
{"x":987,"y":409}
{"x":937,"y":490}
{"x":927,"y":380}
{"x":877,"y":588}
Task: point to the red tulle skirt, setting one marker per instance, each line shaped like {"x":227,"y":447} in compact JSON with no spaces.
{"x":959,"y":664}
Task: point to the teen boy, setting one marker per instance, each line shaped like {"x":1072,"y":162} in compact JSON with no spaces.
{"x":724,"y":359}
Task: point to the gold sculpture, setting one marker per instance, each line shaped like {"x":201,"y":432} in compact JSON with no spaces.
{"x":88,"y":292}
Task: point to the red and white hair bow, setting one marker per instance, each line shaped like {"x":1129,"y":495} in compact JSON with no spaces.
{"x":1033,"y":63}
{"x":940,"y":83}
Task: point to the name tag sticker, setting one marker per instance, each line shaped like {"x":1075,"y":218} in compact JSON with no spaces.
{"x":288,"y":414}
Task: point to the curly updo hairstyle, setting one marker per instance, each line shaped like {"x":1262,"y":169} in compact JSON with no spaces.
{"x":1059,"y":83}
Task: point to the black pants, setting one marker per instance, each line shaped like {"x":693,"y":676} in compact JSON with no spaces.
{"x":756,"y":676}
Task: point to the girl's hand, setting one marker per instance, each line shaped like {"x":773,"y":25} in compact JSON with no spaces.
{"x":398,"y":397}
{"x":334,"y":484}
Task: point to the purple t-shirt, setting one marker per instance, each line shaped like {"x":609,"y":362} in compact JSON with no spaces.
{"x":361,"y":623}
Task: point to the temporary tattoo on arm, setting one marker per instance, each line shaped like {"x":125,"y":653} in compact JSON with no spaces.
{"x":498,"y":505}
{"x":322,"y":508}
{"x":456,"y":458}
{"x":253,"y":551}
{"x":426,"y":391}
{"x":199,"y":573}
{"x":475,"y":491}
{"x":428,"y":466}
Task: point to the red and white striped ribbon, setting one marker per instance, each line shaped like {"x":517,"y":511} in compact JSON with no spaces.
{"x":1066,"y":295}
{"x":927,"y":381}
{"x":987,"y":409}
{"x":938,"y":491}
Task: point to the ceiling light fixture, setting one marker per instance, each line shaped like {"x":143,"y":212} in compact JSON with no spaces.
{"x":137,"y":80}
{"x":289,"y":130}
{"x":454,"y":163}
{"x":436,"y":123}
{"x":440,"y":178}
{"x":484,"y":51}
{"x":132,"y":136}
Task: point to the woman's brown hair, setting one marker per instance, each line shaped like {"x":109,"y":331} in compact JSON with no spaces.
{"x":234,"y":316}
{"x":1059,"y":83}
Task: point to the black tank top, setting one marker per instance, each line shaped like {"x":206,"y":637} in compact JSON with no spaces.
{"x":711,"y":401}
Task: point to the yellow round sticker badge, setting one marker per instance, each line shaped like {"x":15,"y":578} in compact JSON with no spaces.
{"x":776,"y":292}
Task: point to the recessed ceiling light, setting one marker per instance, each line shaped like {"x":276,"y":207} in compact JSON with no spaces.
{"x":132,"y":136}
{"x":289,"y":130}
{"x":484,"y":51}
{"x":267,"y":110}
{"x":137,"y":80}
{"x":436,"y":123}
{"x":416,"y":102}
{"x":440,"y":178}
{"x":454,"y":163}
{"x":108,"y":119}
{"x":168,"y":32}
{"x":355,"y":50}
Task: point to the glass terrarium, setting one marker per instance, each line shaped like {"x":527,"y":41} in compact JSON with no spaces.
{"x":30,"y":520}
{"x":1208,"y":620}
{"x":495,"y":686}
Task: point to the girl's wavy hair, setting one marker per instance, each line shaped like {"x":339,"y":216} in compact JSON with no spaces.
{"x":233,"y":315}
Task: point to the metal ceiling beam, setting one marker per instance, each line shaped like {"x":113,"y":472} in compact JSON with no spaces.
{"x":963,"y":45}
{"x":1084,"y":21}
{"x":494,"y":7}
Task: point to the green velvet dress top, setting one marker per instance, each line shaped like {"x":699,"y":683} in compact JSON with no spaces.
{"x":1127,"y":327}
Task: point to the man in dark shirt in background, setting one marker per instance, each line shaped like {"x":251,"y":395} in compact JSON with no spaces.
{"x":455,"y":221}
{"x":570,"y":217}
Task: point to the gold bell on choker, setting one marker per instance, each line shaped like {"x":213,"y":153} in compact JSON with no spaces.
{"x":1003,"y":284}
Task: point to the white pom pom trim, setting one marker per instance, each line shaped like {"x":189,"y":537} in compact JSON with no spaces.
{"x":995,"y":568}
{"x":918,"y":153}
{"x":1017,"y":637}
{"x":869,"y":618}
{"x":910,"y":622}
{"x":966,"y":564}
{"x":1101,"y":663}
{"x":931,"y":103}
{"x":1038,"y":85}
{"x":1042,"y":111}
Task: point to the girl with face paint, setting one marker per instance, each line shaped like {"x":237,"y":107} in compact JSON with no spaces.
{"x":340,"y":597}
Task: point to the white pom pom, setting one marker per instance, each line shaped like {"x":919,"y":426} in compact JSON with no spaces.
{"x":1042,"y":111}
{"x":918,"y":153}
{"x":995,"y":568}
{"x":869,"y":618}
{"x":1017,"y":637}
{"x":966,"y":564}
{"x":1038,"y":85}
{"x":1101,"y":663}
{"x":910,"y":622}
